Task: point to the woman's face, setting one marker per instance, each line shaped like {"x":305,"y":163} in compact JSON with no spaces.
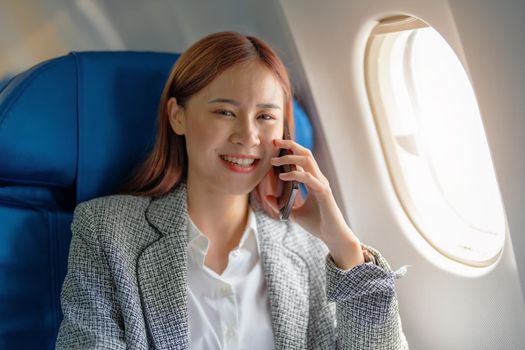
{"x":232,"y":120}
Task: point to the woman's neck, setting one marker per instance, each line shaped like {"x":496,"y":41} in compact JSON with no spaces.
{"x":222,"y":218}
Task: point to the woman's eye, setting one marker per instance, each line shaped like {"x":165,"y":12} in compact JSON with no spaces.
{"x":266,"y":117}
{"x":224,"y":112}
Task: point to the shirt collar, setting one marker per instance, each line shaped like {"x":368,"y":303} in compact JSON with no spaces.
{"x":198,"y":242}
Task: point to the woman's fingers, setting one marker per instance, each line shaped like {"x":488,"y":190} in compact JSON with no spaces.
{"x":299,"y":168}
{"x":302,"y":157}
{"x":289,"y":159}
{"x":292,"y":145}
{"x":304,"y":177}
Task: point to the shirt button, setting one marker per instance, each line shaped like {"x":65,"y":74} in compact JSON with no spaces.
{"x":230,"y":333}
{"x":224,"y":291}
{"x":236,"y":253}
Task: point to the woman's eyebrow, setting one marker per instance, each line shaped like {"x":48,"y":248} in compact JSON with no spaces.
{"x":225,"y":100}
{"x":237,"y":103}
{"x":268,"y":105}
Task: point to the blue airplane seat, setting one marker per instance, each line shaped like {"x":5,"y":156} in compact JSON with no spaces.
{"x":3,"y":81}
{"x":71,"y":129}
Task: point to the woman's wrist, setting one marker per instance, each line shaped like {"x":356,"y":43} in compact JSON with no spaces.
{"x":347,"y":254}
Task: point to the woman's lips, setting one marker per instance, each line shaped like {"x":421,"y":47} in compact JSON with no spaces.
{"x":239,"y":169}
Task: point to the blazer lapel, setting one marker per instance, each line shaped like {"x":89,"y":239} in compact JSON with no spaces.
{"x":287,"y":279}
{"x":162,"y":275}
{"x":162,"y":272}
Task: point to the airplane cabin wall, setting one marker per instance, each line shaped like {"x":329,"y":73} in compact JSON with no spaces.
{"x":495,"y":41}
{"x":35,"y":31}
{"x":443,"y":304}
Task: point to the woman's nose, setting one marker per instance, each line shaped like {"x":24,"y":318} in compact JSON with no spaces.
{"x":247,"y":134}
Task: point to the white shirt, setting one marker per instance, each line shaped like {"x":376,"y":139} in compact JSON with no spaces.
{"x":231,"y":310}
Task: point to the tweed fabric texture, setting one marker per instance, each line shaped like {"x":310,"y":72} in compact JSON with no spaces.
{"x":127,"y":275}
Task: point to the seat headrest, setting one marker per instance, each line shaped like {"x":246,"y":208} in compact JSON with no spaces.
{"x":87,"y":119}
{"x":35,"y":109}
{"x":83,"y":113}
{"x":118,"y":98}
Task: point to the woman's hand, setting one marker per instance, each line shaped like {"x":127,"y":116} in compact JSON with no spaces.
{"x":319,"y":214}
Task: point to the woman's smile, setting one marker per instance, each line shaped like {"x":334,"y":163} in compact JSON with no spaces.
{"x":240,"y":164}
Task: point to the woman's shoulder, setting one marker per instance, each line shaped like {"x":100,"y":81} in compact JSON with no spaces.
{"x":113,"y":207}
{"x":114,"y":226}
{"x":113,"y":216}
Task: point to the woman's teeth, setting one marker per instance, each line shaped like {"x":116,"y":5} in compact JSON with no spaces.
{"x":243,"y":162}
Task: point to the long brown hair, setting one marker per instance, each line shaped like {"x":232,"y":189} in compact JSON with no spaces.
{"x":167,"y":164}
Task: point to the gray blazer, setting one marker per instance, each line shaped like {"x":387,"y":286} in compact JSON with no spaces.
{"x":127,"y":274}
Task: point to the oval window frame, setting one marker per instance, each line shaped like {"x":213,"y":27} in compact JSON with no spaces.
{"x":376,"y":41}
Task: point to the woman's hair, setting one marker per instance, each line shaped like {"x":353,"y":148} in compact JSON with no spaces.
{"x":167,"y":164}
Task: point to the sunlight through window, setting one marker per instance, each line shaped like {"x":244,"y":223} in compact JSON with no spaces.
{"x":434,"y":142}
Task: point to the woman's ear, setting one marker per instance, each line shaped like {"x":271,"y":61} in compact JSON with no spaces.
{"x":176,"y":116}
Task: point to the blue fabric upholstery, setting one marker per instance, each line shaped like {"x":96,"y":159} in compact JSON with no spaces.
{"x":304,"y":134}
{"x":4,"y":81}
{"x":71,"y":129}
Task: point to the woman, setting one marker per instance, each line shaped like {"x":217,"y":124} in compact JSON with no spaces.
{"x":186,"y":258}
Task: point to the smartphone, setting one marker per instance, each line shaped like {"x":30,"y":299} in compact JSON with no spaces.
{"x":290,"y":188}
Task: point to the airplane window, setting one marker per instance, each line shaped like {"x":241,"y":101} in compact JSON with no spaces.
{"x":433,"y":139}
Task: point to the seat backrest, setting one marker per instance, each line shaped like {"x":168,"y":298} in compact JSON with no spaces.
{"x":71,"y":129}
